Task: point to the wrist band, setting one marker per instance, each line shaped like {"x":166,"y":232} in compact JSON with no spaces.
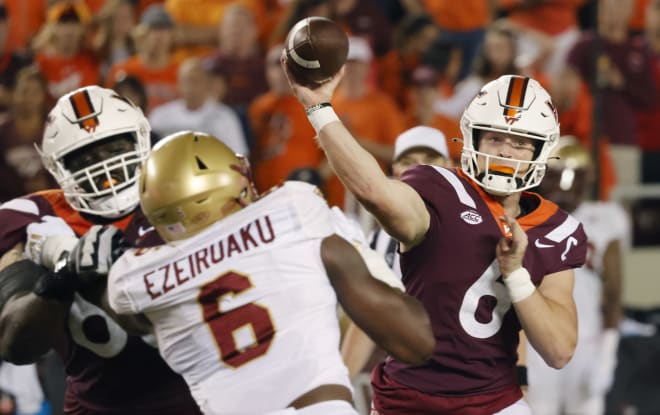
{"x":519,"y":284}
{"x":321,"y":116}
{"x":312,"y":108}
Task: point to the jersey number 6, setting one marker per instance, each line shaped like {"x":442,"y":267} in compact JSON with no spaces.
{"x":486,"y":285}
{"x":223,"y":325}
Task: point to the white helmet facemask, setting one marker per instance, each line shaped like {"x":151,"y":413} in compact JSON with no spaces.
{"x":80,"y":121}
{"x":510,"y":105}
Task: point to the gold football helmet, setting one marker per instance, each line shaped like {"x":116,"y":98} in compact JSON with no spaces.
{"x":569,"y":176}
{"x":569,"y":154}
{"x":190,"y":181}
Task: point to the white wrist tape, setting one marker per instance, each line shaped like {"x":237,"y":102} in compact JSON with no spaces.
{"x":321,"y":117}
{"x":519,"y":284}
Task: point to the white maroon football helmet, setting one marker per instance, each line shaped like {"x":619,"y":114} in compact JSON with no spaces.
{"x":514,"y":105}
{"x":88,"y":116}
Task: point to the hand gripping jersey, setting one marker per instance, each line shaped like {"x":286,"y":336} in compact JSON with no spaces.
{"x":455,"y":274}
{"x":243,"y":310}
{"x":108,"y":371}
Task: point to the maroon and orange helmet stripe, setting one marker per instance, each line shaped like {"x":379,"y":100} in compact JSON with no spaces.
{"x":83,"y":108}
{"x":515,"y":96}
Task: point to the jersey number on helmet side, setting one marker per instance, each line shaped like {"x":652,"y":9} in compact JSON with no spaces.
{"x":225,"y":326}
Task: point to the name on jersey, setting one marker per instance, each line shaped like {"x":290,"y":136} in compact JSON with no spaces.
{"x":164,"y":279}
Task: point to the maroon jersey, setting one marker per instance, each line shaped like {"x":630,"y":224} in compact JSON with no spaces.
{"x":455,"y":274}
{"x":108,"y":371}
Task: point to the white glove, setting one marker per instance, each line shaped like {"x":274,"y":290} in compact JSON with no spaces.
{"x":48,"y":239}
{"x":602,"y":374}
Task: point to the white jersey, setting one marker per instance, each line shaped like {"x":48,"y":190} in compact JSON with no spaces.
{"x":571,"y":389}
{"x":603,"y":223}
{"x":244,"y":310}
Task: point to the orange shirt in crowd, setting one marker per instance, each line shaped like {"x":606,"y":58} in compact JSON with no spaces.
{"x":66,"y":74}
{"x":373,"y":117}
{"x":197,"y":13}
{"x":96,"y":5}
{"x":637,"y":20}
{"x":267,"y":15}
{"x":160,"y":84}
{"x":394,"y":71}
{"x":284,"y":139}
{"x":462,"y":15}
{"x":25,"y":19}
{"x":551,"y":17}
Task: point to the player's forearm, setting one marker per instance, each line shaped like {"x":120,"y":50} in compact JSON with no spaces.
{"x":403,"y":328}
{"x":550,"y":328}
{"x":396,"y":206}
{"x":355,"y":166}
{"x":29,"y":326}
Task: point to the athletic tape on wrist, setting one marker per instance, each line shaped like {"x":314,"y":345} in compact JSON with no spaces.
{"x":519,"y":284}
{"x":310,"y":109}
{"x":320,"y":117}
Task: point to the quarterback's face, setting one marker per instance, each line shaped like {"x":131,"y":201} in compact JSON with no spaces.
{"x":506,"y":146}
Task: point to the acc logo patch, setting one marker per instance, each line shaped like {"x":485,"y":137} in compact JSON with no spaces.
{"x":471,"y":217}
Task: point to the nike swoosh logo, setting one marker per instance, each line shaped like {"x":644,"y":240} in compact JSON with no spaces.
{"x":539,"y":244}
{"x":142,"y":231}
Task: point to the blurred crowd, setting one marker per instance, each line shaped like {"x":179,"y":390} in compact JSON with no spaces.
{"x":213,"y":66}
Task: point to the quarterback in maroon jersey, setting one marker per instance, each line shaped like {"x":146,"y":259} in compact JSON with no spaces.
{"x":94,"y":143}
{"x":484,"y":256}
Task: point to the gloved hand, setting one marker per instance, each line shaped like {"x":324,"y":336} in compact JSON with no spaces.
{"x":88,"y":261}
{"x":47,"y":240}
{"x":602,"y":374}
{"x":91,"y":258}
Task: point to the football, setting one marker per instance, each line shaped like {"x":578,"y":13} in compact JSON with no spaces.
{"x":316,"y":48}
